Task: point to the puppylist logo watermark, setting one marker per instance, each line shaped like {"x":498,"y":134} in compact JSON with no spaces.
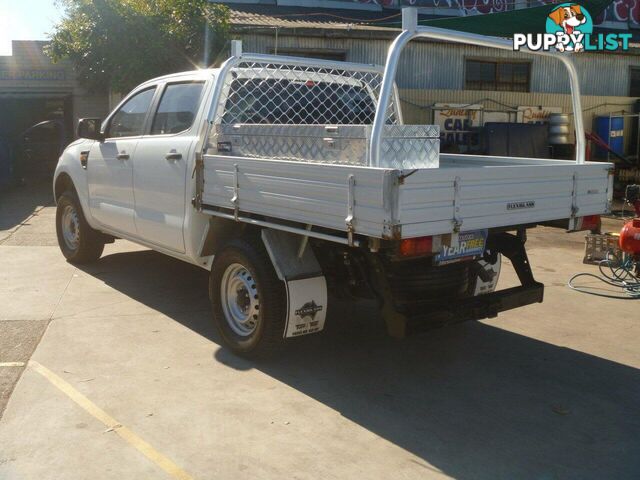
{"x":569,"y":28}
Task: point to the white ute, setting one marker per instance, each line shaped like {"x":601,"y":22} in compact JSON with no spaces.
{"x":294,"y":181}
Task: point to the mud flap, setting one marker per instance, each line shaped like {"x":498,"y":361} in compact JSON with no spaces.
{"x":487,"y":276}
{"x":297,"y":266}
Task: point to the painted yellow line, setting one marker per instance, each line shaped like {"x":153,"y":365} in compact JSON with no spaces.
{"x":111,"y":423}
{"x":12,"y":364}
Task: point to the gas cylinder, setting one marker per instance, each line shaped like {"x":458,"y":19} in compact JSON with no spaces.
{"x":630,"y":237}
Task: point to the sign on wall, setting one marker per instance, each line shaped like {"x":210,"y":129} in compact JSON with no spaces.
{"x":55,"y":75}
{"x":535,"y":114}
{"x":458,"y":124}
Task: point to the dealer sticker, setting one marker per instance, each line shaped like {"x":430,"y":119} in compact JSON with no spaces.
{"x":462,"y":245}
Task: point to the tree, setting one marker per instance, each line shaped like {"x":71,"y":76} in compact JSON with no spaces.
{"x":121,"y":43}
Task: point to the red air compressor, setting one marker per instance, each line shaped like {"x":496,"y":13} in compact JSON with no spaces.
{"x":630,"y":234}
{"x":623,"y":272}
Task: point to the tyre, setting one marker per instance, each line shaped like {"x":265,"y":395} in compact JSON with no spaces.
{"x":78,"y":241}
{"x":248,"y":300}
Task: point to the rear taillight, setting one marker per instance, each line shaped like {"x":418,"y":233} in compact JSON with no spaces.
{"x":411,"y":247}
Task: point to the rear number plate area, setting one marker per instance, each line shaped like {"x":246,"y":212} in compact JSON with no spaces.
{"x":461,"y":246}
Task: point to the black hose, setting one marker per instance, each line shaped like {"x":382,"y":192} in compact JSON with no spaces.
{"x":620,"y":274}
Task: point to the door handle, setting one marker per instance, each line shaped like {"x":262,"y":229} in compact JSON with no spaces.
{"x":122,"y":156}
{"x":173,"y":156}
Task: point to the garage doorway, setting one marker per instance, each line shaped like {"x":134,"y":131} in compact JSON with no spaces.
{"x":34,"y":129}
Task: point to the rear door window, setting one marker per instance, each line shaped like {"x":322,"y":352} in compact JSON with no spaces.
{"x":178,"y":108}
{"x":128,"y":121}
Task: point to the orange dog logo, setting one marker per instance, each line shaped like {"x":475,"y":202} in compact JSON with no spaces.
{"x":569,"y":18}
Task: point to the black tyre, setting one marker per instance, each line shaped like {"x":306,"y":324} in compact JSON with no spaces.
{"x":247,"y":299}
{"x":78,"y":241}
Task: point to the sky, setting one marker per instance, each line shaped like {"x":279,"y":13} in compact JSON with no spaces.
{"x":26,"y":20}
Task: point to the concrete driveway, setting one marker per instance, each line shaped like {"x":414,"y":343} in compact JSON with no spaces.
{"x":128,"y":380}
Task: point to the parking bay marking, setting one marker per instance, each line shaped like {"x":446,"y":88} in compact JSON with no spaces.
{"x":12,"y":364}
{"x":111,"y":423}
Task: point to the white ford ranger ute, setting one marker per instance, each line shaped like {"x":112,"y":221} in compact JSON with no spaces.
{"x":294,"y":181}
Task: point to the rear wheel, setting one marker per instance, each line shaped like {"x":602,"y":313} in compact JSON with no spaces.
{"x":78,"y":241}
{"x":247,"y":298}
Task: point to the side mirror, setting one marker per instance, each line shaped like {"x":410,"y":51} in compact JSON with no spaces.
{"x":90,"y":128}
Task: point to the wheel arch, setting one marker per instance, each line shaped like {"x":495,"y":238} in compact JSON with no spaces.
{"x":220,"y":231}
{"x":63,"y":183}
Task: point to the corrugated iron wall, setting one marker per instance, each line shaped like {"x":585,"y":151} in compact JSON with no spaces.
{"x":441,"y":65}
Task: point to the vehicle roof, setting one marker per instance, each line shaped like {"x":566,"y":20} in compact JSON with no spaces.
{"x":194,"y":74}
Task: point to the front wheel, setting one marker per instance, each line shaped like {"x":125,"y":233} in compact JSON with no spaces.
{"x":247,"y":299}
{"x":78,"y":241}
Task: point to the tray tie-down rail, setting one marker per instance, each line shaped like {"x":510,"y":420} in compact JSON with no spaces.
{"x":351,"y":183}
{"x":471,"y":308}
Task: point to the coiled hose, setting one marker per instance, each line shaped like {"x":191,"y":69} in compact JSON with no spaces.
{"x":615,"y":273}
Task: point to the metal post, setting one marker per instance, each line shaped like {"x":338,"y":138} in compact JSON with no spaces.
{"x":236,"y":48}
{"x":386,"y":89}
{"x":637,"y":139}
{"x":207,"y":45}
{"x":576,"y":103}
{"x":609,"y":139}
{"x":410,"y":19}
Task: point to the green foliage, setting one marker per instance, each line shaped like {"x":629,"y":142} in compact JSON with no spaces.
{"x":121,"y":43}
